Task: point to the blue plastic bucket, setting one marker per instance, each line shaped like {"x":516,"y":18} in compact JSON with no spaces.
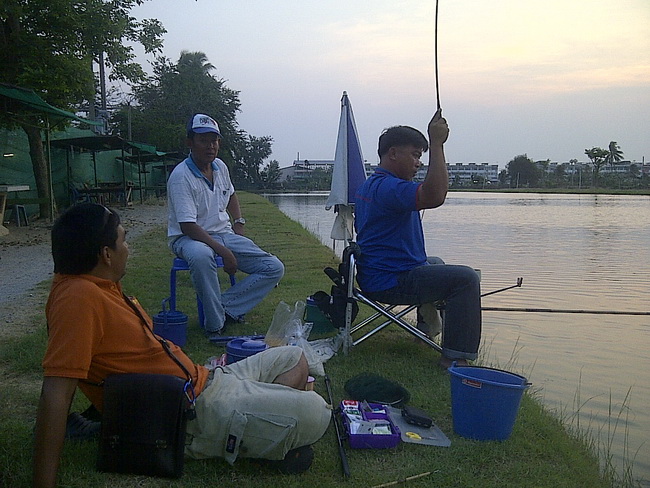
{"x":171,"y":324}
{"x":485,"y":401}
{"x":238,"y":349}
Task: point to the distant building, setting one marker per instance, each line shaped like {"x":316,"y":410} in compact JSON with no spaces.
{"x":459,"y":173}
{"x":301,"y":169}
{"x":468,"y":173}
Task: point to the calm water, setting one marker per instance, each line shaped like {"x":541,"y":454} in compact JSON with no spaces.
{"x":586,"y":252}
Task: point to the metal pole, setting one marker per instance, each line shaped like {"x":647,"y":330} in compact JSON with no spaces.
{"x":344,"y":458}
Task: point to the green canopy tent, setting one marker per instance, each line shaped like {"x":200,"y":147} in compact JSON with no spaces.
{"x":138,"y":153}
{"x":93,"y":144}
{"x":144,"y":154}
{"x":21,"y":106}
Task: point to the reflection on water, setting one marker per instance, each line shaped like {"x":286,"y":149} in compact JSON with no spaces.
{"x":579,"y":252}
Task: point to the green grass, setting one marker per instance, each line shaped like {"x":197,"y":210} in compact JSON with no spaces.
{"x":540,"y":452}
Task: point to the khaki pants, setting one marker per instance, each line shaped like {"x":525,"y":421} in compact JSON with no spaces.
{"x":241,"y":413}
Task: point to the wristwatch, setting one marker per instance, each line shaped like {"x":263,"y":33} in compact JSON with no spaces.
{"x":240,"y":220}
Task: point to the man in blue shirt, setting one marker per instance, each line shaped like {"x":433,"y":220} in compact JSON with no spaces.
{"x":393,"y":266}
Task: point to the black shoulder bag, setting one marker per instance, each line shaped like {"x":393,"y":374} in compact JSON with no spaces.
{"x":144,"y":419}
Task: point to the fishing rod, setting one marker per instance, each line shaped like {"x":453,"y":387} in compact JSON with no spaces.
{"x":344,"y":457}
{"x":549,"y":310}
{"x":561,"y":310}
{"x":435,"y":69}
{"x":517,"y":285}
{"x":435,"y":47}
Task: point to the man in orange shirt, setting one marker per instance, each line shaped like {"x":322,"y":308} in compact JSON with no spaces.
{"x":94,"y":331}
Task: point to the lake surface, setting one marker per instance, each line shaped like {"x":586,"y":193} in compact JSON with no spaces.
{"x":577,"y":252}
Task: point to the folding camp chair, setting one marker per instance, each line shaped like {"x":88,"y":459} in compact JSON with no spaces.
{"x":344,"y":279}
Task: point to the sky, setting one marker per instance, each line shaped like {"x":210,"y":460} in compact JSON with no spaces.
{"x":544,"y":78}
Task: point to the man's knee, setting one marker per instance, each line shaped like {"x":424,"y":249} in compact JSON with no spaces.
{"x":275,"y":268}
{"x":202,"y":259}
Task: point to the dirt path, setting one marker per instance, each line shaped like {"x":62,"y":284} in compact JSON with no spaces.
{"x":26,"y":261}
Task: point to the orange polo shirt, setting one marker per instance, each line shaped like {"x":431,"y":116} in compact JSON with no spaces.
{"x":93,"y":332}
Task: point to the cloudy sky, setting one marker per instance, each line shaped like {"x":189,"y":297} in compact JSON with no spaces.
{"x":545,"y":78}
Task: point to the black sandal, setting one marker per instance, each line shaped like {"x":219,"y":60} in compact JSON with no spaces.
{"x":297,"y":460}
{"x":79,"y":427}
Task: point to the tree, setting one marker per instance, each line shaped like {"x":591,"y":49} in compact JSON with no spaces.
{"x":251,"y":156}
{"x":503,"y":177}
{"x":560,"y":174}
{"x":615,"y":154}
{"x":598,"y":157}
{"x":522,"y":172}
{"x":166,"y":100}
{"x":271,"y":174}
{"x":49,"y":46}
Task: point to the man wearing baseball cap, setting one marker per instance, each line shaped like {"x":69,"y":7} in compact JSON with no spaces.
{"x":202,"y":201}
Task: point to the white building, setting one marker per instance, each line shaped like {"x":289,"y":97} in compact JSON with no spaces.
{"x":459,"y":173}
{"x":301,"y":169}
{"x":467,"y":173}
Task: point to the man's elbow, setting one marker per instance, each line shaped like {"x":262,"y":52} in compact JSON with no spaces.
{"x":431,"y":200}
{"x":187,"y":228}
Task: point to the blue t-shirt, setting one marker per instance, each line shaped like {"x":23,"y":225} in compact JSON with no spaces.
{"x":389,"y":230}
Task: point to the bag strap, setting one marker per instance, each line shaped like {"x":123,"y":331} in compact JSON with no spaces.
{"x":189,"y":386}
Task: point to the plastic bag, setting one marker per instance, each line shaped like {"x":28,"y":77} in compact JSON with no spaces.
{"x":285,"y":325}
{"x":287,"y":328}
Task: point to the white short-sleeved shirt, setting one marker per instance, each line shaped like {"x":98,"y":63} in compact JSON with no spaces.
{"x":191,"y":198}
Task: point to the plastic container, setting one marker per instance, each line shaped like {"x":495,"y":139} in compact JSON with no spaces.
{"x":313,"y":314}
{"x":369,"y":440}
{"x":238,"y":349}
{"x":171,"y":324}
{"x":485,"y":401}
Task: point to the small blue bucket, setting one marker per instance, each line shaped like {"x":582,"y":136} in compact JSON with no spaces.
{"x":238,"y":349}
{"x":171,"y":324}
{"x":485,"y":401}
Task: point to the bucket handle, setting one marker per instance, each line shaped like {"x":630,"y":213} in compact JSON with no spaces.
{"x":164,"y":311}
{"x":166,"y":300}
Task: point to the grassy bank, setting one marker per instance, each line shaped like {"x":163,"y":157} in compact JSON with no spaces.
{"x":538,"y":454}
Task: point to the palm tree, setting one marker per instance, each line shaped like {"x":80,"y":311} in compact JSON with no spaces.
{"x":615,"y":153}
{"x":598,"y":158}
{"x":614,"y":156}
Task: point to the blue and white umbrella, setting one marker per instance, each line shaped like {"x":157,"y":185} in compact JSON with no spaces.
{"x":348,"y":174}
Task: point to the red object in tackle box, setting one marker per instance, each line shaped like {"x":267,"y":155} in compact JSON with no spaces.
{"x":368,"y":425}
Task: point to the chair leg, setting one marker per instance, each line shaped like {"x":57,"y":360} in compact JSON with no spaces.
{"x":398,"y":321}
{"x":376,"y":315}
{"x":383,"y":325}
{"x":201,"y":313}
{"x":346,"y":278}
{"x":172,"y":290}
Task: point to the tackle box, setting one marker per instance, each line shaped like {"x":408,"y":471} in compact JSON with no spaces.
{"x":368,"y":425}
